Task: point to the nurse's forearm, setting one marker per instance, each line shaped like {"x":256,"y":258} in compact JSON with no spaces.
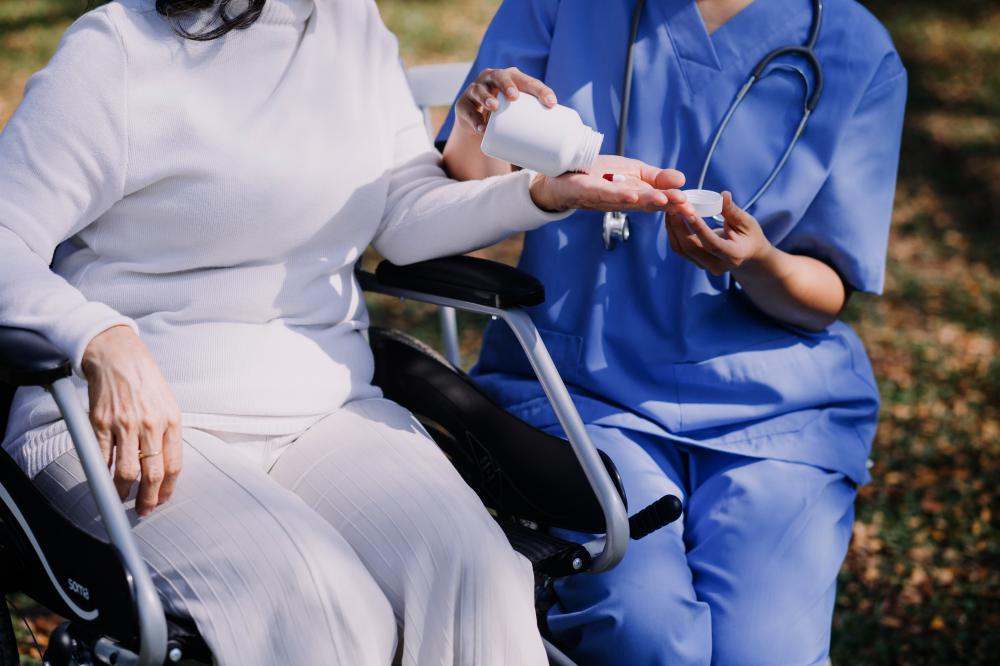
{"x":795,"y":289}
{"x":463,"y":160}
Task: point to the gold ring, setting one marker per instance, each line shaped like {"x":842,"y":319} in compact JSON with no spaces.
{"x":150,"y":455}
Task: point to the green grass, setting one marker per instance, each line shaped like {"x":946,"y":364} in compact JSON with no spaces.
{"x":921,"y":584}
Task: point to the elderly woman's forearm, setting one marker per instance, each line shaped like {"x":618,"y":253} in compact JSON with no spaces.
{"x":430,"y":216}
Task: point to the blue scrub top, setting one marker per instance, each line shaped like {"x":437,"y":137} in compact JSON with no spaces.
{"x":647,"y":340}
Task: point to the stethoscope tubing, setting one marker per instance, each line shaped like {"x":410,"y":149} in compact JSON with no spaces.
{"x":627,"y":78}
{"x":805,"y":52}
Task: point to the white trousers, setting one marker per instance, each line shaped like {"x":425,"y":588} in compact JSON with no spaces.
{"x":360,"y":526}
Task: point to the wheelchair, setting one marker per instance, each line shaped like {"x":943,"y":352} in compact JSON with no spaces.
{"x":529,"y":480}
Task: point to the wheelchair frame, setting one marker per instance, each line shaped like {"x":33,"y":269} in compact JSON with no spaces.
{"x":607,"y":550}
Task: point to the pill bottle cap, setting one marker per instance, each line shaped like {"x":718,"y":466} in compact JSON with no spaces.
{"x":706,"y":203}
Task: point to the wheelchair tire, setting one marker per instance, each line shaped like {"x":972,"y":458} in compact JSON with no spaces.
{"x":8,"y":642}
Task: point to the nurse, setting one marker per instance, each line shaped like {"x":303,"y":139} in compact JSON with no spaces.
{"x":708,"y":364}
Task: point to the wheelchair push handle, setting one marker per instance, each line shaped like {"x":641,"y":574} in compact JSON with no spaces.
{"x":659,"y":514}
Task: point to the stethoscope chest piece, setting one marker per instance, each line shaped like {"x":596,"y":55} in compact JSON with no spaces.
{"x":615,"y":229}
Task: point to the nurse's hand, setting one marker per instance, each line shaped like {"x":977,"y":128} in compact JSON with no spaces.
{"x":134,"y":415}
{"x":643,"y":187}
{"x":740,"y":241}
{"x":795,"y":289}
{"x":479,"y":99}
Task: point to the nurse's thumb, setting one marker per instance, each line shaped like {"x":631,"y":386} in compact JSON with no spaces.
{"x":732,"y":213}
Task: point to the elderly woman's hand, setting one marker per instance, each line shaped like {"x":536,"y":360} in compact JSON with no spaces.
{"x":479,"y":99}
{"x":638,"y":187}
{"x":739,"y":242}
{"x":134,"y":415}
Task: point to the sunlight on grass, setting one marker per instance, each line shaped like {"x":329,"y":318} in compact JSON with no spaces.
{"x":437,"y":30}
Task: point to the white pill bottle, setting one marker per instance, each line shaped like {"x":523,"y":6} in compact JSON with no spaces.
{"x":550,"y":141}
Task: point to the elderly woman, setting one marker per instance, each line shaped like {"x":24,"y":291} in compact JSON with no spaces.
{"x":184,"y":192}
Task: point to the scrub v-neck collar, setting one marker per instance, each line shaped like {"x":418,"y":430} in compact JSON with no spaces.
{"x":738,"y":43}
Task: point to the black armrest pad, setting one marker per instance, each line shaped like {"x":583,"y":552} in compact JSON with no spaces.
{"x":29,"y":359}
{"x":466,"y":279}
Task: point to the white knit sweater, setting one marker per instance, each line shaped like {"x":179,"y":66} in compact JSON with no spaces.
{"x":215,"y":197}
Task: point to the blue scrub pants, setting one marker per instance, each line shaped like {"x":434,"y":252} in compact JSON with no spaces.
{"x":747,"y":577}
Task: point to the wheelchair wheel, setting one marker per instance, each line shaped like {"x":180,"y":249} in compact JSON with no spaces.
{"x":8,"y":642}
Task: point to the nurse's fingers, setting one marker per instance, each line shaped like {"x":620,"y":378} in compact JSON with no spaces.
{"x":672,"y":235}
{"x":687,"y":244}
{"x":699,"y":259}
{"x":712,"y":242}
{"x":471,"y":113}
{"x":512,"y":80}
{"x":710,"y":263}
{"x":482,"y":95}
{"x":735,"y":217}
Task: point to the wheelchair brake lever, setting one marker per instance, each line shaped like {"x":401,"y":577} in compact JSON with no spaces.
{"x":659,"y":514}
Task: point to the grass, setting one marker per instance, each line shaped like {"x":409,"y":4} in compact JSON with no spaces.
{"x":921,"y":584}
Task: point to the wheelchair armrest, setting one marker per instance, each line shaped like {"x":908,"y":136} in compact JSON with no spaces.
{"x":462,"y":278}
{"x":29,"y":359}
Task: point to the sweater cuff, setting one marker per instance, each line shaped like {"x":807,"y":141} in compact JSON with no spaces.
{"x":525,"y":214}
{"x":77,"y":329}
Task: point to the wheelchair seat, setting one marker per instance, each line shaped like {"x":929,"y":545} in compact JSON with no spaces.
{"x":527,"y":478}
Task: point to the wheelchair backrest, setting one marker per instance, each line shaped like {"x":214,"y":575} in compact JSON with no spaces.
{"x":436,"y":86}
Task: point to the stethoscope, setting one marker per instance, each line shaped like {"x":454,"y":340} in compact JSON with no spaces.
{"x":616,"y":223}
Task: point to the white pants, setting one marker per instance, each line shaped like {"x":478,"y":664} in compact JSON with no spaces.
{"x":360,"y":524}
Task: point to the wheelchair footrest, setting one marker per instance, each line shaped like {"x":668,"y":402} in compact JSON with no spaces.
{"x":548,"y":555}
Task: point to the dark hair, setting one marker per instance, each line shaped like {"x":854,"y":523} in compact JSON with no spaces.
{"x":177,"y":10}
